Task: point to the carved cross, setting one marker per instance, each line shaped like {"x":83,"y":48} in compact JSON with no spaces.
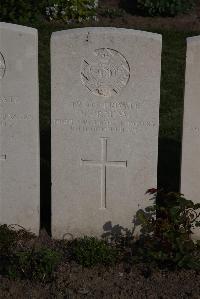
{"x":103,"y":163}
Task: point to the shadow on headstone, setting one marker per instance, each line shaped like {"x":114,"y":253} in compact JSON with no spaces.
{"x":169,"y":157}
{"x":111,"y":231}
{"x":45,"y":180}
{"x":117,"y":233}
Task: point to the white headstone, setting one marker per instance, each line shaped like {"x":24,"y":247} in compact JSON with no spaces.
{"x":19,"y":127}
{"x":105,"y":118}
{"x":190,"y":170}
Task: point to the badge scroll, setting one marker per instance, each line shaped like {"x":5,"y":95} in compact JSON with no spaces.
{"x":106,"y":73}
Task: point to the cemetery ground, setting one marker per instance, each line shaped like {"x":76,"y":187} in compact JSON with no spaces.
{"x":123,"y":280}
{"x":145,"y":267}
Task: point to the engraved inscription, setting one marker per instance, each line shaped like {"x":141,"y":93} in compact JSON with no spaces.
{"x":194,"y":130}
{"x":106,"y":73}
{"x":107,"y":117}
{"x":12,"y":119}
{"x":104,"y":163}
{"x":2,"y":66}
{"x":9,"y":100}
{"x":86,"y":126}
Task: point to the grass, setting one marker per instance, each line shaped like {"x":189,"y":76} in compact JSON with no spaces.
{"x":172,"y":84}
{"x":164,"y":242}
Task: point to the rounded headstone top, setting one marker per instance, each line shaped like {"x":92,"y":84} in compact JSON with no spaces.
{"x":15,"y":27}
{"x":134,"y":32}
{"x":193,"y":39}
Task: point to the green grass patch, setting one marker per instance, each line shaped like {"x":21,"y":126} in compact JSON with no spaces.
{"x":33,"y":264}
{"x":90,"y":251}
{"x":7,"y":239}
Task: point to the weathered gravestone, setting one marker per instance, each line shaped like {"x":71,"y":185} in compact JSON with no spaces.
{"x":190,"y":172}
{"x":19,"y":127}
{"x":105,"y":117}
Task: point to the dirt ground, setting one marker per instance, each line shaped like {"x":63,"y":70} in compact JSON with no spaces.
{"x":125,"y":280}
{"x":73,"y":281}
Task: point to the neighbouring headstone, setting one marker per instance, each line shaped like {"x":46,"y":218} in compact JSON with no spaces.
{"x":19,"y":127}
{"x":190,"y":170}
{"x":105,"y":118}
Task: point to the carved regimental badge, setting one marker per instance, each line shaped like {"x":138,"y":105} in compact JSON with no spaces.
{"x":2,"y":66}
{"x":106,"y":73}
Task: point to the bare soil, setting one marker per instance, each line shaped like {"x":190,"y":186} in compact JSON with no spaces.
{"x":124,"y":280}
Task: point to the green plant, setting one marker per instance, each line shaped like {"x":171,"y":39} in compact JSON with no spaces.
{"x":33,"y":264}
{"x":111,"y":12}
{"x":166,"y":229}
{"x":7,"y":239}
{"x":21,"y":11}
{"x":164,"y":7}
{"x":89,"y":251}
{"x":71,"y":10}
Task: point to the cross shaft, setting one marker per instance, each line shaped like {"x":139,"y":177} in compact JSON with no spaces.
{"x":104,"y":163}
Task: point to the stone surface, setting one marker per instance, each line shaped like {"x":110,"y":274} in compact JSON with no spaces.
{"x":105,"y":118}
{"x":190,"y":170}
{"x":19,"y":127}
